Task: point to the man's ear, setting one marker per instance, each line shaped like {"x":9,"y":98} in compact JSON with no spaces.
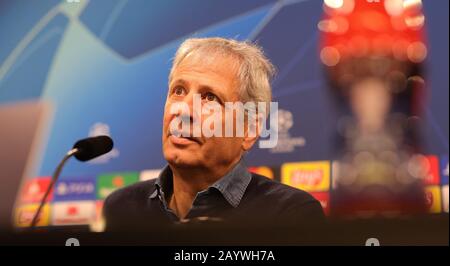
{"x":252,"y":131}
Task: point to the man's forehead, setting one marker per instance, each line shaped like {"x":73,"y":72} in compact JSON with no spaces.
{"x":221,"y":70}
{"x":217,"y":62}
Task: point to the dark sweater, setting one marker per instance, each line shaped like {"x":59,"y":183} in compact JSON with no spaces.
{"x":142,"y":206}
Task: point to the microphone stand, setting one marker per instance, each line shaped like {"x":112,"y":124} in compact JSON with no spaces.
{"x":52,"y":183}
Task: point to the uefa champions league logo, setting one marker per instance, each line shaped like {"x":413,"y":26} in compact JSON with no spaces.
{"x":285,"y":121}
{"x":286,"y":143}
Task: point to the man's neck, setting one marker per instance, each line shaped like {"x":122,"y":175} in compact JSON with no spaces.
{"x":187,"y":182}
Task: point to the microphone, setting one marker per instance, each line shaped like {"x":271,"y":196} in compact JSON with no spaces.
{"x":83,"y":150}
{"x":92,"y":147}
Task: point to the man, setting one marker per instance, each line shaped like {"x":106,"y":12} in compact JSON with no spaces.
{"x":206,"y":176}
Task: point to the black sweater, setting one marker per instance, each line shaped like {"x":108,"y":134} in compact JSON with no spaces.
{"x":264,"y":202}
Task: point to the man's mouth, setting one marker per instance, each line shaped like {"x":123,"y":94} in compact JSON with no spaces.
{"x":179,"y":139}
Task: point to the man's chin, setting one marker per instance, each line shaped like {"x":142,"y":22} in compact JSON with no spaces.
{"x":181,"y":159}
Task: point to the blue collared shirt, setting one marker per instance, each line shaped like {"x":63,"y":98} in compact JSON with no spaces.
{"x":227,"y":192}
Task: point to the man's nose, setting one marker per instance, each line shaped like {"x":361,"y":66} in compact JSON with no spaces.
{"x":193,"y":101}
{"x":189,"y":100}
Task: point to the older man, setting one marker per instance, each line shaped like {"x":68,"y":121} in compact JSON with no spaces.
{"x":206,"y":176}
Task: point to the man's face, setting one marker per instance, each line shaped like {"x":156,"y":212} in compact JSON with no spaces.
{"x":215,"y":81}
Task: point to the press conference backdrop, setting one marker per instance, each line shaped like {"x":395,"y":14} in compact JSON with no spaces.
{"x":104,"y":65}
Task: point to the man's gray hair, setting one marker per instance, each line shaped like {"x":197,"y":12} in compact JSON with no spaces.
{"x":255,"y":71}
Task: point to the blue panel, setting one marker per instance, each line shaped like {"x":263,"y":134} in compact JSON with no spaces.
{"x":134,"y":27}
{"x":16,"y":19}
{"x":107,"y":72}
{"x":26,"y":77}
{"x":126,"y":95}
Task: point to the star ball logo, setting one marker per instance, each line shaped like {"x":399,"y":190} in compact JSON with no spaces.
{"x":286,"y":143}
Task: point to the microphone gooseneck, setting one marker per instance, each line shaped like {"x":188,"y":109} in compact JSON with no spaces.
{"x":83,"y":150}
{"x":52,"y":182}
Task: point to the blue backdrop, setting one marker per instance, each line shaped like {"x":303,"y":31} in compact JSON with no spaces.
{"x":104,"y":64}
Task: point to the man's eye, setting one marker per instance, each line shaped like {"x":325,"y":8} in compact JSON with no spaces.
{"x":178,"y":91}
{"x":210,"y":97}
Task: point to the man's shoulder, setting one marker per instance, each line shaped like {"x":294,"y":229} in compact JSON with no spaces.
{"x":287,"y":203}
{"x":276,"y":189}
{"x":269,"y":188}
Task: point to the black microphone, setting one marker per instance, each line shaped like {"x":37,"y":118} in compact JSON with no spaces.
{"x":92,"y":147}
{"x":83,"y":150}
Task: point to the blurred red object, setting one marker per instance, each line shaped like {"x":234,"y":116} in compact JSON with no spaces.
{"x":358,"y":28}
